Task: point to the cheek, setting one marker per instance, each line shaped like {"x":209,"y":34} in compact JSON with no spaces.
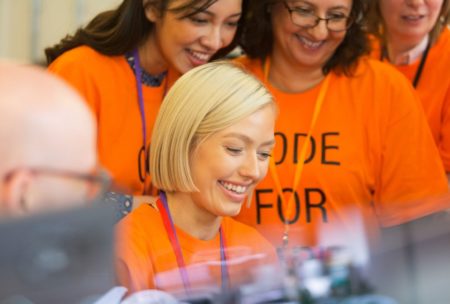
{"x":435,"y":8}
{"x":264,"y":169}
{"x":228,"y":35}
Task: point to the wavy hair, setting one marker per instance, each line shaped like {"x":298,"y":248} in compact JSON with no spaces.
{"x":257,"y":39}
{"x":116,"y":32}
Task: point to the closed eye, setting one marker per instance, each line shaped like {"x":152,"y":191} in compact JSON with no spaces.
{"x":198,"y":20}
{"x":264,"y":155}
{"x":233,"y":23}
{"x":336,"y":16}
{"x":233,"y":150}
{"x":303,"y":11}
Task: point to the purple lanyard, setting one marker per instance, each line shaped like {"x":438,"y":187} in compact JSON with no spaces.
{"x":172,"y":234}
{"x":138,"y":74}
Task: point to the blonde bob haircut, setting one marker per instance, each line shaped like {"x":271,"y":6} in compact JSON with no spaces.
{"x":205,"y":100}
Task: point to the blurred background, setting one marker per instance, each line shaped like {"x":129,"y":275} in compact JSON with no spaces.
{"x":28,"y":26}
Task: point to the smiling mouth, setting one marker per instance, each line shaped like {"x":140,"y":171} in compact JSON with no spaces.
{"x":413,"y":17}
{"x":312,"y":45}
{"x":238,"y":189}
{"x":199,"y":56}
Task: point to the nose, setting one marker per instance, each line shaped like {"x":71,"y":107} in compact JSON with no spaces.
{"x":251,"y":168}
{"x":414,"y":3}
{"x":213,"y":39}
{"x":320,"y":31}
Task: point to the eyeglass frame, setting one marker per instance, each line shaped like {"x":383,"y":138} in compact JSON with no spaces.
{"x":348,"y":19}
{"x":100,"y":176}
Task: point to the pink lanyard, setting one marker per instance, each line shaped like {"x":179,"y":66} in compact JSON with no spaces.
{"x":172,"y":234}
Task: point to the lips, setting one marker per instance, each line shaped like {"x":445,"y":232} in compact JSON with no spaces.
{"x":413,"y":17}
{"x":198,"y":58}
{"x":238,"y":189}
{"x":309,"y":44}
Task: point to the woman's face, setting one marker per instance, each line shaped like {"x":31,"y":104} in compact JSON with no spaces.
{"x":186,"y":42}
{"x":227,"y":165}
{"x":409,"y":19}
{"x":307,"y":47}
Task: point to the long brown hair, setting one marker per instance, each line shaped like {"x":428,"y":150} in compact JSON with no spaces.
{"x":116,"y":32}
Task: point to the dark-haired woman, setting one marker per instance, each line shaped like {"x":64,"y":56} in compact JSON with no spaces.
{"x":124,"y":61}
{"x":352,"y":143}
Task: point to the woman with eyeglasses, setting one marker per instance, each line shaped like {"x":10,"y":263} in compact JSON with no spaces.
{"x":214,"y":139}
{"x":352,"y":143}
{"x":124,"y":61}
{"x":414,"y":37}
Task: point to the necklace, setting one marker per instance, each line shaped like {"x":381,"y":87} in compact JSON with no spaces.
{"x":143,"y":154}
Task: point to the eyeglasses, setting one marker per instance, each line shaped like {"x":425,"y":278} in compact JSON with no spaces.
{"x":89,"y":186}
{"x":306,"y":19}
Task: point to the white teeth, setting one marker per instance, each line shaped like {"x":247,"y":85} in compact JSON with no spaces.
{"x":234,"y":188}
{"x":412,"y":17}
{"x":199,"y":56}
{"x":310,"y":44}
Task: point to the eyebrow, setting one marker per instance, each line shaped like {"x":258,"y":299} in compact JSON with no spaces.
{"x":212,"y":14}
{"x":247,"y":139}
{"x":334,"y":7}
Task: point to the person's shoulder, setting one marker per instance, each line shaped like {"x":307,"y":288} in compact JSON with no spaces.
{"x":444,"y":37}
{"x":442,"y":45}
{"x":375,"y":46}
{"x":84,"y":56}
{"x":250,"y":64}
{"x":145,"y":215}
{"x":146,"y":210}
{"x":378,"y":71}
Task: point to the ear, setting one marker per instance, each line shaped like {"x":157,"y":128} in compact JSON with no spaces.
{"x":150,"y":10}
{"x":15,"y":192}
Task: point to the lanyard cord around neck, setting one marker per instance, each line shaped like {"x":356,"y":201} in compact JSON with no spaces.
{"x":138,"y":76}
{"x":163,"y":208}
{"x":300,"y":164}
{"x":142,"y":155}
{"x":419,"y":70}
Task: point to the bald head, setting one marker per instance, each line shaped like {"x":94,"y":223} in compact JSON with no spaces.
{"x":43,"y":124}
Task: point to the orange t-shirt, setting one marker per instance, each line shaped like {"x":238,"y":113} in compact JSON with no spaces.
{"x":434,"y":90}
{"x":371,"y":157}
{"x":109,"y":87}
{"x":145,"y":257}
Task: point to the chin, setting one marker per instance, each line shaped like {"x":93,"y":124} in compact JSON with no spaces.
{"x":233,"y":212}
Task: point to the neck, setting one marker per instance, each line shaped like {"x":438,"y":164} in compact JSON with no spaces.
{"x":150,"y":57}
{"x":398,"y":46}
{"x":291,"y":78}
{"x":192,"y":219}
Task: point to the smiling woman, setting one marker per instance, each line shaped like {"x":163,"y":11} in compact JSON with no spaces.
{"x":346,"y":129}
{"x":414,"y":37}
{"x":124,"y":61}
{"x":214,"y":139}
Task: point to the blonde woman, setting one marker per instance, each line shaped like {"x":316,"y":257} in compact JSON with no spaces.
{"x":215,"y":133}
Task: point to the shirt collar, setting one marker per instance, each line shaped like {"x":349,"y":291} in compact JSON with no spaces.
{"x":413,"y":54}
